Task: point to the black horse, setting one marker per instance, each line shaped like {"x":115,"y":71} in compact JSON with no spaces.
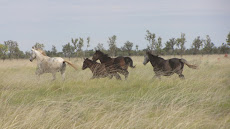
{"x":97,"y":69}
{"x":113,"y":65}
{"x":166,"y":67}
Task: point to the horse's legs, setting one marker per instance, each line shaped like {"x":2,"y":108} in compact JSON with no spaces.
{"x":38,"y":73}
{"x":63,"y":75}
{"x":63,"y":71}
{"x":181,"y":76}
{"x":180,"y":73}
{"x":110,"y":76}
{"x":92,"y":77}
{"x":117,"y":76}
{"x":124,"y":72}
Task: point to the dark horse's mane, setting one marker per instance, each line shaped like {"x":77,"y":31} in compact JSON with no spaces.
{"x":103,"y":55}
{"x":154,"y":58}
{"x":100,"y":52}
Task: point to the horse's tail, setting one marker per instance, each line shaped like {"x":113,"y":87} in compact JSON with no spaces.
{"x":189,"y":65}
{"x":129,"y":62}
{"x":70,"y":64}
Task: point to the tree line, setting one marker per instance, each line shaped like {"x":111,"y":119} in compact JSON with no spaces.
{"x":174,"y":46}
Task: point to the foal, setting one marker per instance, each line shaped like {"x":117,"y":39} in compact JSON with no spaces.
{"x":97,"y":69}
{"x":113,"y":65}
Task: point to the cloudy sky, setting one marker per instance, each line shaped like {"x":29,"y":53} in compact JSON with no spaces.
{"x":55,"y":22}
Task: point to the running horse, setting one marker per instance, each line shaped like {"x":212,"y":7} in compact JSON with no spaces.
{"x":163,"y":67}
{"x":113,"y":65}
{"x":98,"y":69}
{"x":47,"y":64}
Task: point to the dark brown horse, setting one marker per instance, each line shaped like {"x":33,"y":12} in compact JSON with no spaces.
{"x":113,"y":65}
{"x":166,"y":67}
{"x":97,"y":69}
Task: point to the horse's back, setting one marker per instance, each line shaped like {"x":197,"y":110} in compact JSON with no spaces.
{"x":52,"y":64}
{"x":175,"y":63}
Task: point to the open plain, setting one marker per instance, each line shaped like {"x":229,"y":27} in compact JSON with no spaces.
{"x":202,"y":100}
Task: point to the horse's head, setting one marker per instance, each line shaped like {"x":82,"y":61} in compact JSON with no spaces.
{"x":146,"y":59}
{"x":33,"y":55}
{"x":97,"y":55}
{"x":86,"y":63}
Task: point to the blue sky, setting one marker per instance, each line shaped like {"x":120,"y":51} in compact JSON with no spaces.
{"x":55,"y":22}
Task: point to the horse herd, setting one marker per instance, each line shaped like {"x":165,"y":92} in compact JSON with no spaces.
{"x":108,"y":67}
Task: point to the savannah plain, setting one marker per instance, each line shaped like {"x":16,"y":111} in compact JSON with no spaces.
{"x":202,"y":100}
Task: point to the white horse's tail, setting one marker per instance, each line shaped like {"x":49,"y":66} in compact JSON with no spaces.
{"x":70,"y":64}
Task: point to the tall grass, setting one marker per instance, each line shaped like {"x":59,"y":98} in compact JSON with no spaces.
{"x":202,"y":100}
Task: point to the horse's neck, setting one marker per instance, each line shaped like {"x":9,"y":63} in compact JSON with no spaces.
{"x":93,"y":66}
{"x":40,"y":57}
{"x":104,"y":59}
{"x":155,"y":61}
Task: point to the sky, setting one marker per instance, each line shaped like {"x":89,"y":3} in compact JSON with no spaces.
{"x":55,"y":22}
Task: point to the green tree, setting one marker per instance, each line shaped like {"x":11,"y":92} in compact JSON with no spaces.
{"x":87,"y":46}
{"x":54,"y":50}
{"x":224,"y":48}
{"x":12,"y":47}
{"x":39,"y":46}
{"x":79,"y":47}
{"x":197,"y":44}
{"x":74,"y":42}
{"x":159,"y":46}
{"x":128,"y":47}
{"x":228,"y":39}
{"x":112,"y":45}
{"x":68,"y":50}
{"x":150,"y":37}
{"x":3,"y":51}
{"x":208,"y":45}
{"x":18,"y":53}
{"x":88,"y":40}
{"x":137,"y":49}
{"x":99,"y":47}
{"x":169,"y":46}
{"x":180,"y":43}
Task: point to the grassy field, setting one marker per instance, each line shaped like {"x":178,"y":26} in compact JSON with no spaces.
{"x":201,"y":101}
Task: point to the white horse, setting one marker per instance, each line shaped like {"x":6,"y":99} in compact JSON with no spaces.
{"x":47,"y":64}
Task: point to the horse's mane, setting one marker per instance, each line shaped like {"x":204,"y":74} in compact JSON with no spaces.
{"x":154,"y":56}
{"x":41,"y":51}
{"x":103,"y":54}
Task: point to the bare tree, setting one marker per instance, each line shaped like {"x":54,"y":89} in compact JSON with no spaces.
{"x":180,"y":43}
{"x":152,"y":42}
{"x":112,"y":45}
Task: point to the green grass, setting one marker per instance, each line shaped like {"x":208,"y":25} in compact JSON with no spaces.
{"x":202,"y":100}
